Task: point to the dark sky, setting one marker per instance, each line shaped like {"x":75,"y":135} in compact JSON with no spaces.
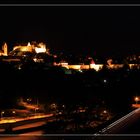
{"x":100,"y":31}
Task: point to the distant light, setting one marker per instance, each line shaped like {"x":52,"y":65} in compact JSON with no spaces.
{"x":29,"y":44}
{"x":55,"y":56}
{"x":35,"y":59}
{"x":80,"y":70}
{"x":40,"y":50}
{"x":13,"y":112}
{"x":29,"y":99}
{"x":105,"y":111}
{"x":97,"y":67}
{"x":136,"y":98}
{"x":2,"y":112}
{"x":105,"y":80}
{"x":19,"y":67}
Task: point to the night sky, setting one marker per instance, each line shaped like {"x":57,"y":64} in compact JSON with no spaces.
{"x":99,"y":31}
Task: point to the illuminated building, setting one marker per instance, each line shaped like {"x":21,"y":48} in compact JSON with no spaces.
{"x":41,"y":48}
{"x":38,"y":48}
{"x":4,"y":51}
{"x":28,"y":48}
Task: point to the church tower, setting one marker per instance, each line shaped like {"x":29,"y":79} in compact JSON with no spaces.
{"x":5,"y":49}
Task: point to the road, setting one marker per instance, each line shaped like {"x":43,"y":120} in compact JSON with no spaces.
{"x":126,"y":128}
{"x":36,"y":135}
{"x":13,"y":120}
{"x":23,"y":123}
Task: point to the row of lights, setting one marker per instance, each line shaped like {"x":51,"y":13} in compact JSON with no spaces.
{"x":2,"y":113}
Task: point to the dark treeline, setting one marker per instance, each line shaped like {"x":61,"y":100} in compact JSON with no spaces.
{"x":113,"y":88}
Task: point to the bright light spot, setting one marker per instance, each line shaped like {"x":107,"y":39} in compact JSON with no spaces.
{"x":76,"y":67}
{"x":105,"y":80}
{"x":40,"y":50}
{"x":97,"y":67}
{"x":136,"y":99}
{"x":29,"y":44}
{"x":80,"y":70}
{"x":19,"y":67}
{"x":35,"y":59}
{"x":64,"y":64}
{"x":29,"y":99}
{"x":104,"y":111}
{"x":13,"y":112}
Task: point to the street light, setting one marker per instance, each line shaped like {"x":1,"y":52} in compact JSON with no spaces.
{"x":63,"y":106}
{"x":29,"y":100}
{"x":2,"y":114}
{"x":105,"y":111}
{"x":136,"y":99}
{"x":105,"y":81}
{"x":14,"y":112}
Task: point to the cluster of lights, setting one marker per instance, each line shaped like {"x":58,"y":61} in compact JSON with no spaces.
{"x":40,"y":48}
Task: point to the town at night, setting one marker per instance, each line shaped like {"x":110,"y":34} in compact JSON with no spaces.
{"x":69,"y":72}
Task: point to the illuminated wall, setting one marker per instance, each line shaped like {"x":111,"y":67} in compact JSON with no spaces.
{"x":23,"y":48}
{"x":96,"y":67}
{"x":41,"y":47}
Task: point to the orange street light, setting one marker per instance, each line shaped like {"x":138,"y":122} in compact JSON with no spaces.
{"x":105,"y":111}
{"x":136,"y":99}
{"x":13,"y":112}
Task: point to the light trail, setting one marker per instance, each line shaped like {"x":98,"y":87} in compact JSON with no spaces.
{"x":23,"y":119}
{"x":119,"y":121}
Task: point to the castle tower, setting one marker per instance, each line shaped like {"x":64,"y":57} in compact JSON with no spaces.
{"x":5,"y":49}
{"x":29,"y":47}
